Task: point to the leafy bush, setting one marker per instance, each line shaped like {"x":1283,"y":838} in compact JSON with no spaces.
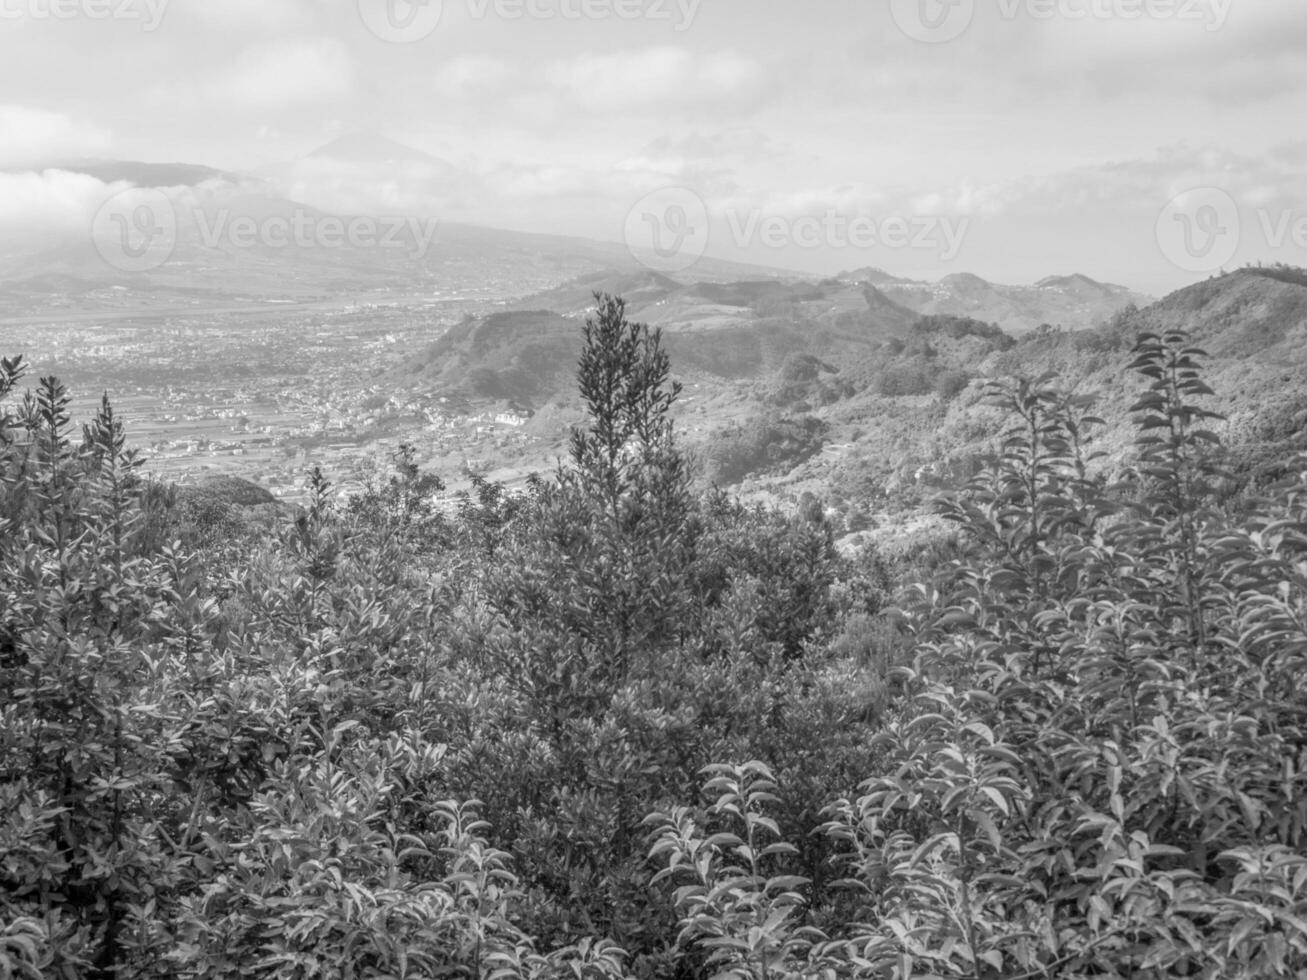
{"x":905,"y":377}
{"x":763,"y":444}
{"x":959,"y":327}
{"x":950,"y":384}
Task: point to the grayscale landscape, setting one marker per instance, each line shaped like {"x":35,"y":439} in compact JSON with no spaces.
{"x":657,"y":489}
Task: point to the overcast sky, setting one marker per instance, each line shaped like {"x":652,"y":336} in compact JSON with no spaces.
{"x":1010,"y":138}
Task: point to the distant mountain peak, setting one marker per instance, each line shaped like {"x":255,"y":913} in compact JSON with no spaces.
{"x":1073,"y":280}
{"x":371,"y":146}
{"x":871,"y":274}
{"x":1073,"y":301}
{"x":141,"y":174}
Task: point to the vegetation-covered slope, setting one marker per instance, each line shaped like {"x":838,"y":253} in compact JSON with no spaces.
{"x":919,"y":416}
{"x":721,"y":332}
{"x":887,"y":375}
{"x":619,"y":728}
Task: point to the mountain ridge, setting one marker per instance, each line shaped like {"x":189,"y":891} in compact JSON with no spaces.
{"x":1075,"y":301}
{"x":894,"y":395}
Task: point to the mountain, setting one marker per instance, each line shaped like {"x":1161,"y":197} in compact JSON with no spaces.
{"x":355,"y":154}
{"x":716,"y":332}
{"x":640,"y":289}
{"x":369,"y":160}
{"x":229,"y":240}
{"x":370,"y":148}
{"x":834,"y":387}
{"x":522,"y":358}
{"x":405,"y":194}
{"x":785,"y":378}
{"x":1252,"y":324}
{"x":872,"y":275}
{"x":1073,"y":302}
{"x":140,"y":174}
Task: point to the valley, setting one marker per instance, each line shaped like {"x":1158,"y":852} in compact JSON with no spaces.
{"x":250,"y":391}
{"x":266,"y":390}
{"x":793,"y":386}
{"x":860,"y":389}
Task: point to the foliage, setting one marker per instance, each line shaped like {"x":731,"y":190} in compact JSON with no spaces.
{"x":960,"y":327}
{"x":764,"y":443}
{"x":799,"y":367}
{"x":403,"y":503}
{"x":397,"y":739}
{"x":745,"y":918}
{"x":950,"y":384}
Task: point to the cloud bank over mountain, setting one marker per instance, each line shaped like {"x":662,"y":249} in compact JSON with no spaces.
{"x":536,"y":118}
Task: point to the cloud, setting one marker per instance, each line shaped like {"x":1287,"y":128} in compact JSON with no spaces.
{"x":658,"y":77}
{"x":52,"y":214}
{"x":633,"y":90}
{"x":284,"y":74}
{"x":252,"y":16}
{"x":1087,"y":54}
{"x":30,"y":137}
{"x":737,"y":143}
{"x":1258,"y":54}
{"x":390,"y":181}
{"x":48,"y":204}
{"x":475,"y":76}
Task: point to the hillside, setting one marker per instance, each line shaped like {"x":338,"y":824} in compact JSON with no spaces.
{"x":1073,"y":302}
{"x":834,"y":388}
{"x":715,"y":332}
{"x":1253,"y":326}
{"x":521,"y":358}
{"x":774,"y":370}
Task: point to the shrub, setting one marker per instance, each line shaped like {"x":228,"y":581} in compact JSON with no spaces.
{"x":764,"y":444}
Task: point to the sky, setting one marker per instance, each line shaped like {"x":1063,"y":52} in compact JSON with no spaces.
{"x":1144,"y":142}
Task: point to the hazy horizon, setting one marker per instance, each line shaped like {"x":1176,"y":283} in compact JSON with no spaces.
{"x":1133,"y":141}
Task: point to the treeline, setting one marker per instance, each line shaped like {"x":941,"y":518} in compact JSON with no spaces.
{"x":616,"y":728}
{"x":1280,"y":271}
